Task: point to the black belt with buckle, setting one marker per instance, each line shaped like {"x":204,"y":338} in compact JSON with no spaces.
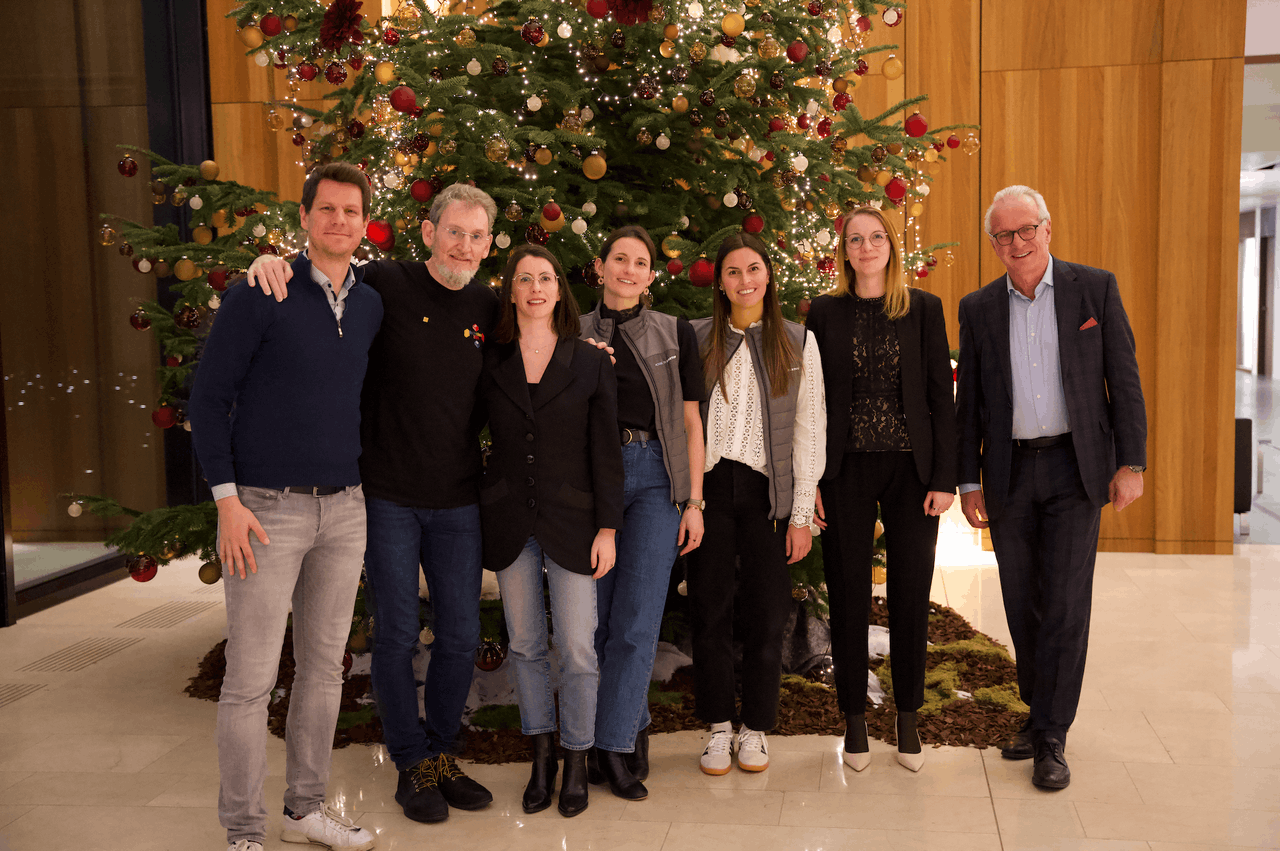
{"x":1042,"y":442}
{"x":635,"y":435}
{"x":315,"y":491}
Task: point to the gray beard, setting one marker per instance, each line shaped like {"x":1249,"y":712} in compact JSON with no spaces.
{"x":451,"y":278}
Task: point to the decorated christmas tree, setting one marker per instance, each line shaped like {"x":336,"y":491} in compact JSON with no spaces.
{"x":692,"y":119}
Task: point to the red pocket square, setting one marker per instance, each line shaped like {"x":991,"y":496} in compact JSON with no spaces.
{"x":1086,"y":326}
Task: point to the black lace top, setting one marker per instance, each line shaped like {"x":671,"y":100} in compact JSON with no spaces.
{"x":878,"y":422}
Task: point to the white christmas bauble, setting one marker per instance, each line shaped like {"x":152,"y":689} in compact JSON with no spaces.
{"x":579,"y":226}
{"x":587,"y":114}
{"x":684,"y":221}
{"x":683,"y":588}
{"x":695,"y":10}
{"x":502,"y":240}
{"x":534,"y":103}
{"x":589,"y":208}
{"x":834,"y":35}
{"x":393,"y":180}
{"x":144,"y":266}
{"x":922,"y":189}
{"x":799,"y":162}
{"x":756,"y":154}
{"x":196,"y":202}
{"x":262,"y":58}
{"x":214,"y":302}
{"x":186,"y":426}
{"x":259,"y":230}
{"x":727,"y":55}
{"x":812,"y":107}
{"x":730,"y":199}
{"x":824,"y":237}
{"x":306,"y":120}
{"x":323,"y":130}
{"x":473,"y":67}
{"x":662,"y":142}
{"x":564,"y":30}
{"x":74,"y":509}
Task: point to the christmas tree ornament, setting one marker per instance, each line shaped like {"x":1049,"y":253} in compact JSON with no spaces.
{"x":126,"y":250}
{"x":164,"y":416}
{"x":289,"y":22}
{"x":177,"y":199}
{"x":403,"y":99}
{"x":379,"y":232}
{"x":143,"y":568}
{"x":862,"y":24}
{"x":667,"y":49}
{"x":384,"y":72}
{"x":777,"y":81}
{"x":513,"y":212}
{"x":892,"y":68}
{"x":490,"y":655}
{"x":733,"y":24}
{"x":800,"y":162}
{"x":803,"y":121}
{"x":127,"y":166}
{"x":753,"y":223}
{"x":160,"y":268}
{"x":838,"y":145}
{"x":202,"y":235}
{"x":971,"y":144}
{"x":579,"y":226}
{"x":390,"y":37}
{"x":662,"y":142}
{"x":707,"y":97}
{"x":697,"y":52}
{"x":823,"y":68}
{"x":500,"y":67}
{"x":917,"y":209}
{"x":75,"y":509}
{"x":532,"y":32}
{"x":594,"y":167}
{"x":474,"y":67}
{"x":768,"y":48}
{"x":466,"y":37}
{"x":797,"y":51}
{"x":420,"y":190}
{"x":275,"y":121}
{"x":447,"y":147}
{"x":644,"y":138}
{"x":187,"y":317}
{"x":647,"y":87}
{"x":892,"y":16}
{"x":680,"y":104}
{"x":695,"y":118}
{"x":618,"y":39}
{"x":107,"y":236}
{"x":861,"y":68}
{"x":271,"y":25}
{"x":536,"y":235}
{"x":251,"y":37}
{"x":335,"y":74}
{"x":196,"y":202}
{"x":915,"y":125}
{"x":896,"y":189}
{"x":218,"y":278}
{"x":840,"y":101}
{"x":953,"y":141}
{"x":744,"y":86}
{"x":502,"y":240}
{"x":702,"y":273}
{"x":589,"y":208}
{"x":533,"y":104}
{"x":799,"y":593}
{"x":142,"y":265}
{"x":139,"y":320}
{"x":598,"y":9}
{"x":551,"y":225}
{"x":210,"y":572}
{"x":307,"y":70}
{"x":497,"y":149}
{"x":551,"y":211}
{"x":722,"y":118}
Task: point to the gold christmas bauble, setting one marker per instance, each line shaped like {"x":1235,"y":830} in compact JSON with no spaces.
{"x":185,"y":269}
{"x":447,"y":147}
{"x":787,"y":202}
{"x":698,"y":51}
{"x":435,"y":123}
{"x":879,"y":530}
{"x":644,"y":138}
{"x":210,"y":572}
{"x":831,"y":210}
{"x":930,"y":155}
{"x":917,"y":209}
{"x":769,"y":48}
{"x":551,"y":226}
{"x":384,"y":72}
{"x":744,"y":86}
{"x":275,"y":121}
{"x":496,"y":149}
{"x":892,"y":68}
{"x":669,"y":246}
{"x":466,"y":37}
{"x":513,"y":212}
{"x":543,"y":156}
{"x":252,"y":37}
{"x":202,"y":235}
{"x":594,"y":167}
{"x":401,"y":158}
{"x":680,"y":103}
{"x":883,"y":178}
{"x":970,"y":145}
{"x":667,"y":49}
{"x":799,"y":593}
{"x":107,"y":236}
{"x":289,"y":22}
{"x":733,"y":24}
{"x":572,"y":122}
{"x":878,"y":575}
{"x":358,"y":642}
{"x":209,"y":170}
{"x":671,"y":32}
{"x":839,"y":85}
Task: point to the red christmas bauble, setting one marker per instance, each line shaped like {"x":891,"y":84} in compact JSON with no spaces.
{"x":803,"y":121}
{"x":143,"y":568}
{"x":922,"y":273}
{"x":403,"y":99}
{"x":551,"y":211}
{"x":536,"y":234}
{"x":421,"y":190}
{"x":490,"y":655}
{"x":347,"y":661}
{"x":896,"y":189}
{"x":188,"y":317}
{"x":915,"y":125}
{"x":140,"y":320}
{"x":299,"y":139}
{"x":824,"y":128}
{"x":674,"y":267}
{"x":841,"y":101}
{"x":270,"y":25}
{"x":782,"y":243}
{"x":355,"y":128}
{"x":164,"y":416}
{"x":335,"y":74}
{"x":598,"y":9}
{"x":953,"y":141}
{"x":702,"y":273}
{"x":753,"y":223}
{"x":380,"y":233}
{"x":307,"y":70}
{"x":797,"y":51}
{"x":815,"y":8}
{"x":861,"y":68}
{"x":218,"y":279}
{"x":863,"y":23}
{"x":776,"y":125}
{"x":355,"y":61}
{"x":931,"y":261}
{"x":127,"y":166}
{"x":390,"y":37}
{"x":532,"y":32}
{"x":172,"y":360}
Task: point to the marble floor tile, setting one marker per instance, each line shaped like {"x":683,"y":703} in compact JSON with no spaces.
{"x":1114,"y":737}
{"x":91,"y":788}
{"x":707,"y":806}
{"x":1161,"y":822}
{"x":10,"y":814}
{"x":702,"y":837}
{"x":582,"y":833}
{"x":788,"y":770}
{"x":1160,"y":700}
{"x":1252,"y":703}
{"x":72,"y":828}
{"x":947,"y":772}
{"x":888,"y":812}
{"x":1046,"y":817}
{"x":80,"y":752}
{"x":1218,"y":786}
{"x":1215,"y":739}
{"x":1090,"y":780}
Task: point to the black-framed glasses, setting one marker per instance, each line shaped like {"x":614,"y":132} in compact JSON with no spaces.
{"x":1026,"y":232}
{"x":877,"y":240}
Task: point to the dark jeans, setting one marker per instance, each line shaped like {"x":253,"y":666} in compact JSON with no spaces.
{"x":446,"y":542}
{"x":1046,"y":541}
{"x":737,"y":527}
{"x":890,"y":480}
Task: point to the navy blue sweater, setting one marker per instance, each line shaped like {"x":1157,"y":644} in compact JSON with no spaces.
{"x":276,"y":401}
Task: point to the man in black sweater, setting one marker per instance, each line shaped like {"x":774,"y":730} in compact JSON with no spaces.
{"x":275,"y":415}
{"x":421,"y":467}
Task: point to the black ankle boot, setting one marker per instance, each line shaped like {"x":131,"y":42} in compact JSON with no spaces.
{"x":542,"y":779}
{"x":594,"y":775}
{"x":638,"y":760}
{"x":621,"y":781}
{"x":573,"y":788}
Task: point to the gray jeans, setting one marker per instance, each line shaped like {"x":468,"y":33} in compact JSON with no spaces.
{"x":312,"y":564}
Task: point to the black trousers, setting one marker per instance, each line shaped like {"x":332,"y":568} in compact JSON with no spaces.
{"x":889,"y":480}
{"x":1046,"y":542}
{"x":737,"y":529}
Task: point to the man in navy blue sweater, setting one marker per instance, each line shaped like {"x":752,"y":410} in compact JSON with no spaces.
{"x":275,"y":417}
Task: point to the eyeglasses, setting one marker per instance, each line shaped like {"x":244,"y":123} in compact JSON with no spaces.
{"x":456,"y":235}
{"x":526,"y":280}
{"x":1026,"y":233}
{"x":877,"y":240}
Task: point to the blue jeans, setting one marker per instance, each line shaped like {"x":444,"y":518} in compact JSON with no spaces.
{"x":312,"y":566}
{"x":631,"y":598}
{"x":573,"y":617}
{"x":446,"y":543}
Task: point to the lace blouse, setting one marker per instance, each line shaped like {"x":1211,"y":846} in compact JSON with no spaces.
{"x":878,"y":422}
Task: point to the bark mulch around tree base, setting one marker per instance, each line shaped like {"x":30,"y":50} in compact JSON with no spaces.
{"x":805,"y":706}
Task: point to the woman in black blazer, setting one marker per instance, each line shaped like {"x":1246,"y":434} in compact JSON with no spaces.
{"x":550,"y":499}
{"x":891,"y":441}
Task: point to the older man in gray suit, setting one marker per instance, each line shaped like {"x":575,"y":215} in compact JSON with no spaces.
{"x":1052,"y":423}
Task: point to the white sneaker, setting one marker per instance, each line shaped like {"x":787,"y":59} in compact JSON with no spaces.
{"x":245,"y":845}
{"x":326,"y":827}
{"x":753,"y":750}
{"x":717,"y":758}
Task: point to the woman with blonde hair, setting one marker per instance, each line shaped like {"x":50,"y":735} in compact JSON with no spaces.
{"x":891,"y":444}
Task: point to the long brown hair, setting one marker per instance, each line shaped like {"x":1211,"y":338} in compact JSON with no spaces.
{"x":897,"y":296}
{"x":779,"y":354}
{"x":564,"y":321}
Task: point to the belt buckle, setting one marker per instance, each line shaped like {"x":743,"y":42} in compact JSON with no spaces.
{"x":629,"y":437}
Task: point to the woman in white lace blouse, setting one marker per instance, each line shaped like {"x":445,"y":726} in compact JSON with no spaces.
{"x":766,"y":443}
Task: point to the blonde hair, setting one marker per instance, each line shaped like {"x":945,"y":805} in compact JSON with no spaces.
{"x":897,"y":295}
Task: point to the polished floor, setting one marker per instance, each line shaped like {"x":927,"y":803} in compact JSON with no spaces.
{"x":1177,"y":745}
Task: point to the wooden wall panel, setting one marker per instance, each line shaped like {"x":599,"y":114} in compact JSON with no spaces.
{"x":1195,"y":314}
{"x":1195,"y":30}
{"x":1017,"y":35}
{"x":249,"y":152}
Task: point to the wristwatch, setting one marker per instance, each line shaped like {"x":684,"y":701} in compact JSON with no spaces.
{"x":1137,"y":468}
{"x":700,"y":504}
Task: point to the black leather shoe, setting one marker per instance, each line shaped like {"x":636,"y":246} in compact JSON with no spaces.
{"x":638,"y":760}
{"x":594,"y":775}
{"x":1022,"y":745}
{"x":621,"y":781}
{"x":573,"y":788}
{"x":542,"y":779}
{"x":458,"y":789}
{"x":418,"y":793}
{"x":1051,"y":770}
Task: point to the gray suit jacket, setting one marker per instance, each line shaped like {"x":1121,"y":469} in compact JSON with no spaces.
{"x":1099,"y":377}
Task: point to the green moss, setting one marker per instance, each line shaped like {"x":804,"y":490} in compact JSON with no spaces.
{"x":802,"y":682}
{"x":979,"y":645}
{"x":505,"y":716}
{"x":1004,"y":696}
{"x":659,"y":697}
{"x":940,"y":684}
{"x":347,"y":720}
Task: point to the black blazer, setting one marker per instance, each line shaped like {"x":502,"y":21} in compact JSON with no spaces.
{"x":555,"y":470}
{"x":927,"y":397}
{"x":1099,"y":377}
